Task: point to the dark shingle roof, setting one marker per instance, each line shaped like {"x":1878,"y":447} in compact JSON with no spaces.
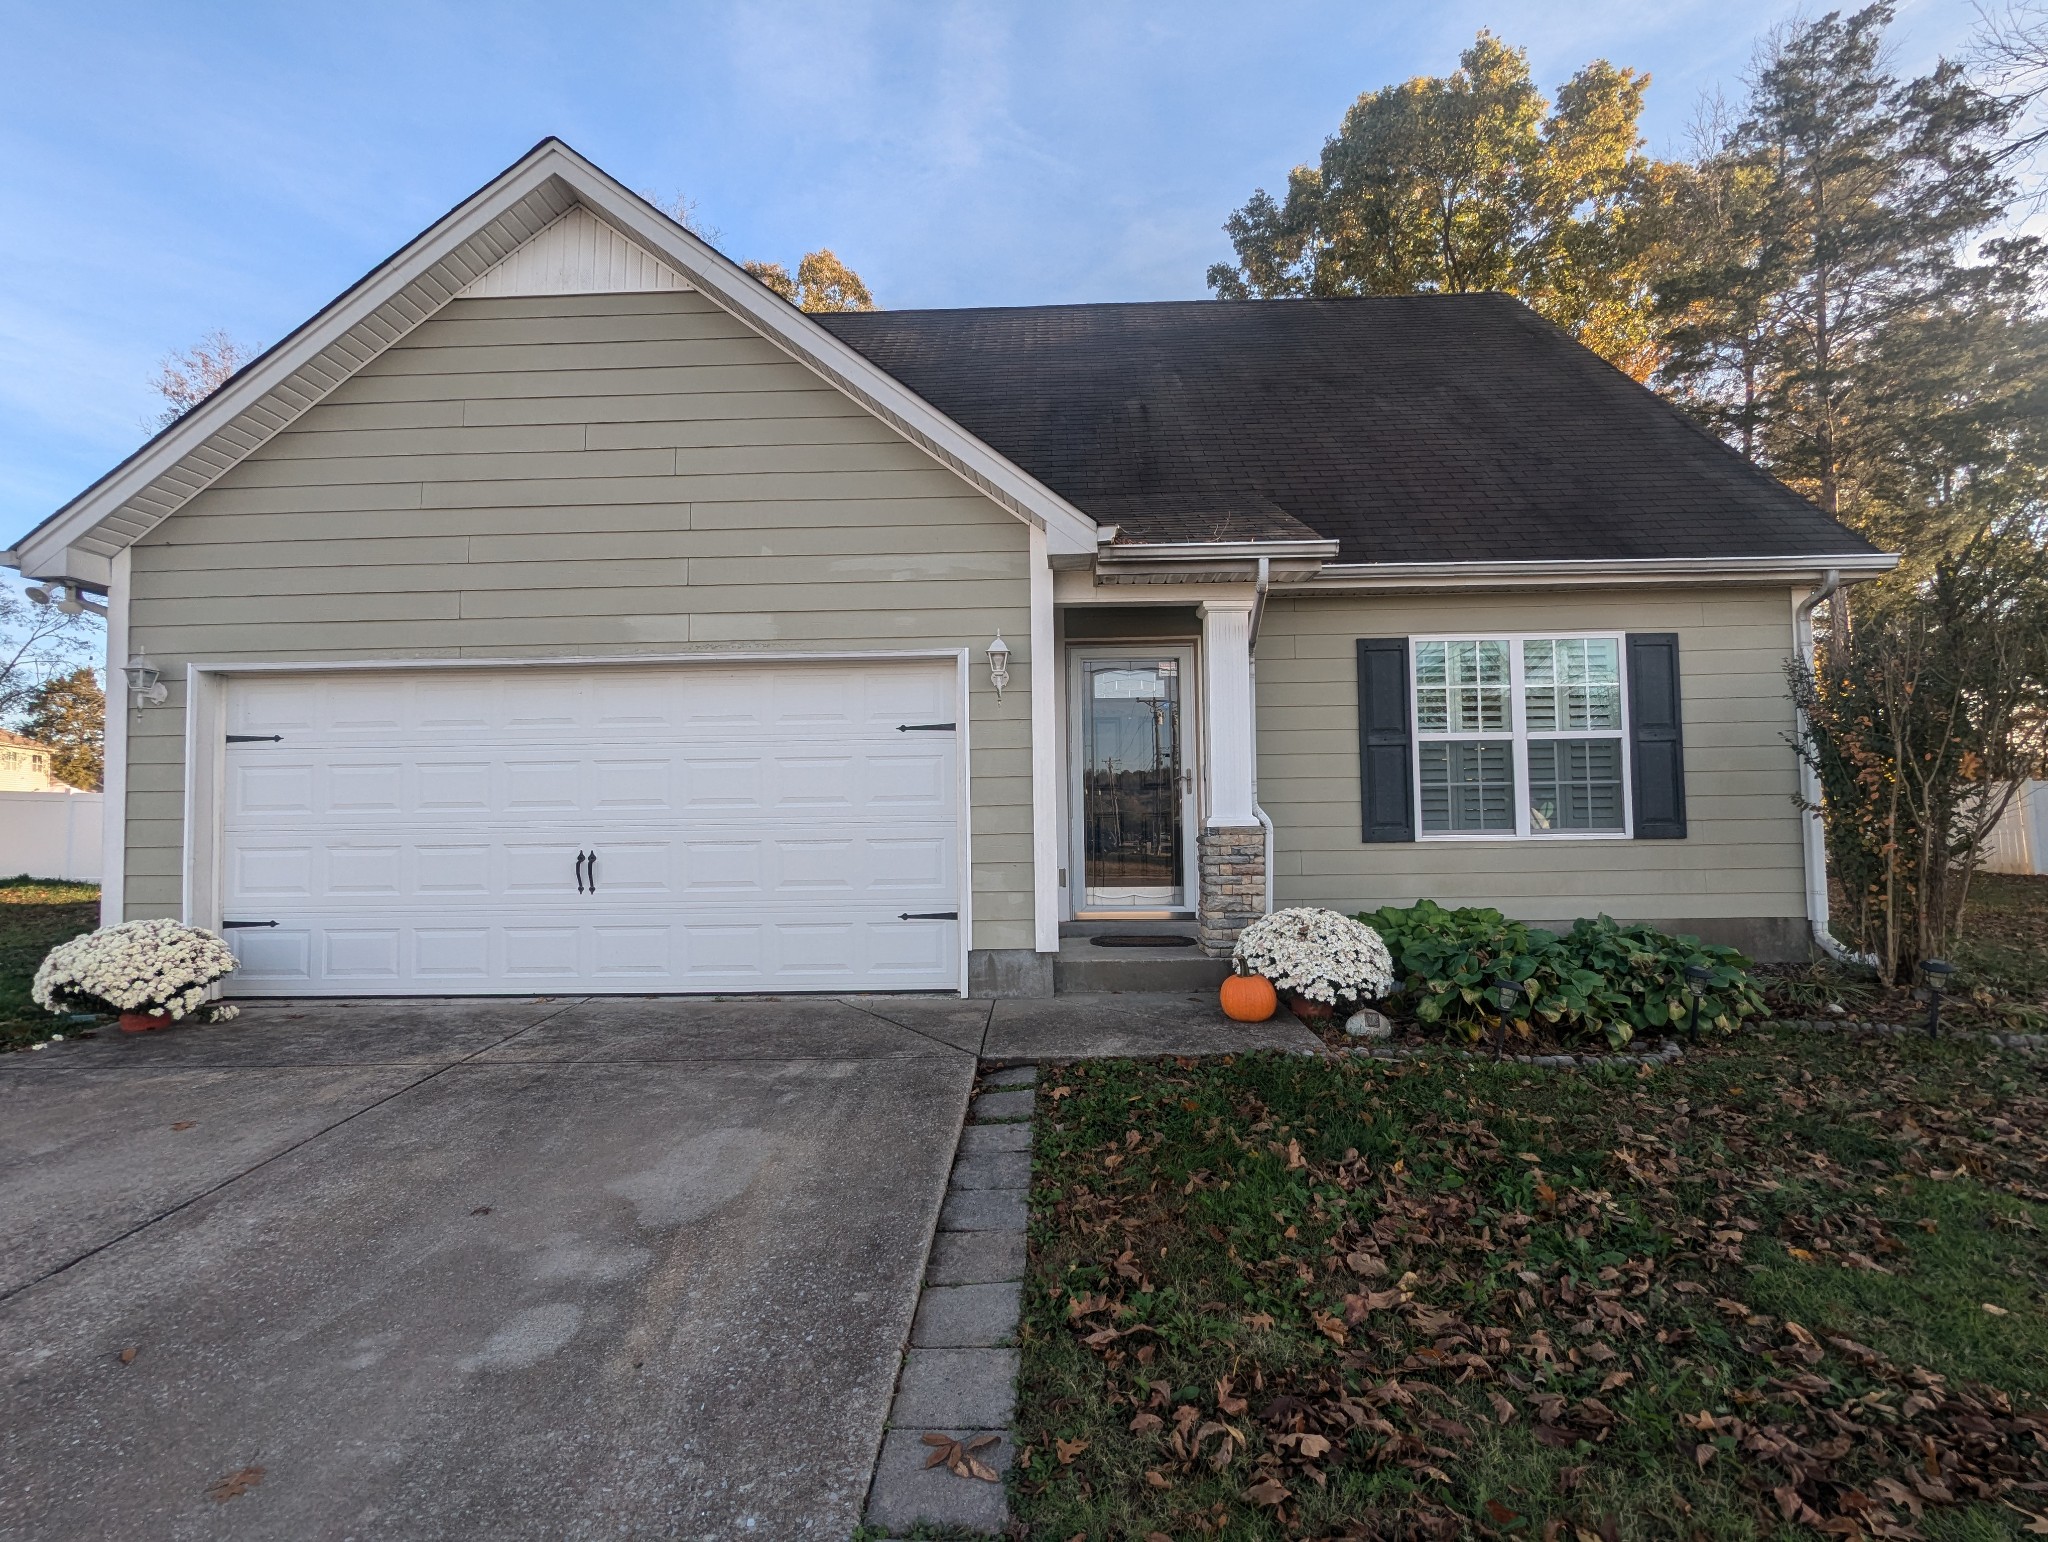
{"x":1414,"y":428}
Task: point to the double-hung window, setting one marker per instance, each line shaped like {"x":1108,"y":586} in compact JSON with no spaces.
{"x":1520,"y":736}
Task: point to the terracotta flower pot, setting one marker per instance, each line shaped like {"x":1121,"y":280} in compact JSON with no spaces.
{"x":144,"y":1022}
{"x":1315,"y":1014}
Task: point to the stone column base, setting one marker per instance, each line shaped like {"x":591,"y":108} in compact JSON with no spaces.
{"x":1232,"y":865}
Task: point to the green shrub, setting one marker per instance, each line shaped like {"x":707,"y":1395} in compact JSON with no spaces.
{"x":1643,"y":971}
{"x":1599,"y":978}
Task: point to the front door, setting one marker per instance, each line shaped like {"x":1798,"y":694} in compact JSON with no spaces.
{"x":1134,"y":788}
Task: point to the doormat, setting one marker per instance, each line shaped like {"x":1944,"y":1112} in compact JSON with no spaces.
{"x":1142,"y":940}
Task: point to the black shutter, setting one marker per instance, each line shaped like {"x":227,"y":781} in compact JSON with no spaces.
{"x":1384,"y":745}
{"x":1656,"y":746}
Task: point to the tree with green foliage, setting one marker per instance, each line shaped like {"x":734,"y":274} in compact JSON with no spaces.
{"x":1828,"y":314}
{"x":1921,"y":725}
{"x":69,"y":713}
{"x":1472,"y":181}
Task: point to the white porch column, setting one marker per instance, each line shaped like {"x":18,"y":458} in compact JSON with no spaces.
{"x":1227,"y":715}
{"x":1045,"y":765}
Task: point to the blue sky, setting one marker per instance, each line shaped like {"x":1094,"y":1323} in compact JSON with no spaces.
{"x":180,"y":167}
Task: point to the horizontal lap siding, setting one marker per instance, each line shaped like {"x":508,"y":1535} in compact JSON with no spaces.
{"x":1741,"y":855}
{"x":585,"y":474}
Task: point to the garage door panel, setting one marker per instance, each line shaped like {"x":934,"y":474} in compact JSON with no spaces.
{"x":362,"y":955}
{"x":833,"y":950}
{"x":530,"y":953}
{"x":452,"y":955}
{"x":859,"y":783}
{"x":449,"y":871}
{"x":452,"y":786}
{"x":755,"y":828}
{"x":346,"y":871}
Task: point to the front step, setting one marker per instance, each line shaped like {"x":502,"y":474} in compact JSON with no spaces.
{"x":1082,"y":968}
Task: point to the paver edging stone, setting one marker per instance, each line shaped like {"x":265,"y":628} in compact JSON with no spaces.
{"x":972,"y":1319}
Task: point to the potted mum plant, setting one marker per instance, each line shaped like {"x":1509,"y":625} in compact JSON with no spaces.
{"x":1316,"y":960}
{"x":153,"y":973}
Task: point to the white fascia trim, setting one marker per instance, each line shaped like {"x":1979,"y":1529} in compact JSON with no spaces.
{"x":718,"y":278}
{"x":1599,"y":572}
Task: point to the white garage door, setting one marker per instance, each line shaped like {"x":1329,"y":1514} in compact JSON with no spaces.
{"x":715,"y":828}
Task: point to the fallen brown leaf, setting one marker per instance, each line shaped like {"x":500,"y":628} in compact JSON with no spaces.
{"x":235,"y":1484}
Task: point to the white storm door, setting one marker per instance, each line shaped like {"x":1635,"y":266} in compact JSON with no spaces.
{"x":637,"y":829}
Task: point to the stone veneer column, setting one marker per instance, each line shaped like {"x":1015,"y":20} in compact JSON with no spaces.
{"x":1231,"y":850}
{"x":1232,"y":865}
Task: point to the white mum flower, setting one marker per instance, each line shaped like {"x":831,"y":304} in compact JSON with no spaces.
{"x":141,"y":966}
{"x":1318,"y":954}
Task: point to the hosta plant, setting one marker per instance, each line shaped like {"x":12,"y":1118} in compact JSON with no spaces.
{"x":141,"y":966}
{"x":1317,"y":955}
{"x":1600,"y":978}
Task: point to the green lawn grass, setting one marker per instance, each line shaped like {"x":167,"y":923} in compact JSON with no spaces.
{"x":35,"y":915}
{"x":1739,"y":1297}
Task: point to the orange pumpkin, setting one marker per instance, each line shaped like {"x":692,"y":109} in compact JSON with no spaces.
{"x":1248,"y":998}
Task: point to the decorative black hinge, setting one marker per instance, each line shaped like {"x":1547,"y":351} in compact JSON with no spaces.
{"x":929,"y":915}
{"x":925,"y":728}
{"x":228,"y":926}
{"x":255,"y":738}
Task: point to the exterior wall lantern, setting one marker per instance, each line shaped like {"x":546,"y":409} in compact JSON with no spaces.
{"x":999,"y":663}
{"x":145,"y":681}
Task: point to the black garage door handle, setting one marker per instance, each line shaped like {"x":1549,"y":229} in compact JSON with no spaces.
{"x":929,"y":915}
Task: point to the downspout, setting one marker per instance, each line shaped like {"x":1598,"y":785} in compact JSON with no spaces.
{"x":1265,"y":820}
{"x":1814,"y":833}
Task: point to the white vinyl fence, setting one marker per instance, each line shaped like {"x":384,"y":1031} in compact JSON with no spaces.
{"x":51,"y":834}
{"x":2019,"y":841}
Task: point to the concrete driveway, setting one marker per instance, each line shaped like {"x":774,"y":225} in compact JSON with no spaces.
{"x":570,"y":1268}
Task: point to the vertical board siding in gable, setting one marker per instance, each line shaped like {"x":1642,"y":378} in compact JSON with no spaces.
{"x":588,"y":474}
{"x":1741,"y":856}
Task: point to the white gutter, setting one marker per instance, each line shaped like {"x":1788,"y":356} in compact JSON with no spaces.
{"x":1813,"y":833}
{"x":1265,"y":820}
{"x":1591,"y":572}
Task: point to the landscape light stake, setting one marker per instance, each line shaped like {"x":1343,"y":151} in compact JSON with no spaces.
{"x":1510,"y":992}
{"x":1697,"y":978}
{"x":1936,"y":972}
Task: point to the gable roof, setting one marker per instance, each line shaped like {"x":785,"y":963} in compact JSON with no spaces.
{"x":1410,"y":429}
{"x":78,"y":542}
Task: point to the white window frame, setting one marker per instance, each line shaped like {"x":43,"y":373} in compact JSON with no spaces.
{"x":1517,"y":738}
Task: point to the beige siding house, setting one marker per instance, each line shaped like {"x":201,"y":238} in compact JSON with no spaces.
{"x":559,"y":609}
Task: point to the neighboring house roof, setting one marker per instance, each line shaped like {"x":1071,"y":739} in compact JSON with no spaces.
{"x":1410,"y":429}
{"x":11,"y":740}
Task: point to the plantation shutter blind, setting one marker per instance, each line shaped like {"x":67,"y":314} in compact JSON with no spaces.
{"x":1385,"y":742}
{"x":1656,"y":738}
